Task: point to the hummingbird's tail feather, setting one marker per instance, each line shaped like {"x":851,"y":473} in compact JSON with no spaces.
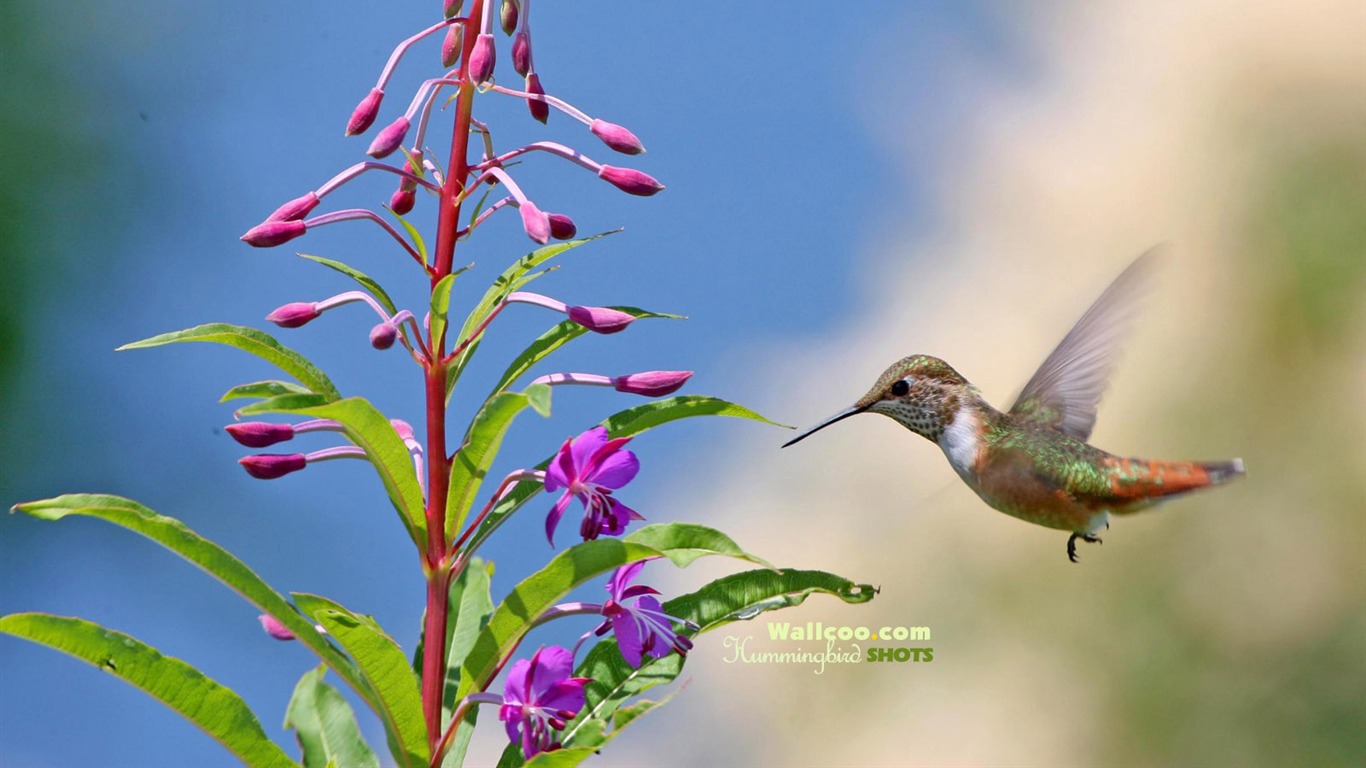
{"x":1138,"y":483}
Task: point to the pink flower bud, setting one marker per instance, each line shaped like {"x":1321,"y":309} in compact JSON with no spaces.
{"x":295,"y":209}
{"x":629,"y":180}
{"x":453,"y":44}
{"x":539,"y":109}
{"x":453,"y":8}
{"x":521,"y":53}
{"x":259,"y":434}
{"x":616,"y":137}
{"x":600,"y":319}
{"x":272,"y":233}
{"x":561,"y":226}
{"x":536,"y":223}
{"x":651,"y":383}
{"x":402,"y":201}
{"x":365,"y":113}
{"x":274,"y":628}
{"x":482,"y":59}
{"x":389,"y":139}
{"x":507,"y":16}
{"x":383,"y":335}
{"x":268,"y":466}
{"x":294,"y":314}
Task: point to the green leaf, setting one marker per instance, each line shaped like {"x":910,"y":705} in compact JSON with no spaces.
{"x":258,"y":343}
{"x":441,"y":305}
{"x":562,"y":333}
{"x":371,"y":431}
{"x":736,"y":597}
{"x":472,"y":461}
{"x":539,"y":592}
{"x":685,"y":542}
{"x":418,"y":242}
{"x":270,"y":388}
{"x":216,"y":561}
{"x":472,"y":605}
{"x":385,"y":668}
{"x":325,"y":725}
{"x":212,"y":707}
{"x":365,"y":281}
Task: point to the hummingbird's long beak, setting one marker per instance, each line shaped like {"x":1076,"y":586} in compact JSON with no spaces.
{"x":852,"y":410}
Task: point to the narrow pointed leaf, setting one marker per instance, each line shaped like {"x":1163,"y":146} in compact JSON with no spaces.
{"x":258,"y":343}
{"x":472,"y":605}
{"x":440,"y":306}
{"x":416,"y":236}
{"x":370,"y":285}
{"x":212,"y":707}
{"x":213,"y":559}
{"x":325,"y":725}
{"x":472,"y":461}
{"x":739,"y":596}
{"x":683,"y":543}
{"x":385,"y":668}
{"x":372,"y":432}
{"x":590,"y":737}
{"x":263,"y":389}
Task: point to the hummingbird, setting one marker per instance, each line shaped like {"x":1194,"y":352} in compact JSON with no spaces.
{"x":1033,"y":461}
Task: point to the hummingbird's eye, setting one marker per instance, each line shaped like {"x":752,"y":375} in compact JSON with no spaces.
{"x":900,"y":388}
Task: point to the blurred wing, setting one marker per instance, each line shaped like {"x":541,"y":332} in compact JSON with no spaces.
{"x":1066,"y":390}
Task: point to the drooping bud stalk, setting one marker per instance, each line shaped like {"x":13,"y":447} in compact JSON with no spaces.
{"x":600,"y":319}
{"x":562,"y":227}
{"x":363,"y":116}
{"x":272,"y":233}
{"x":369,"y":165}
{"x":274,"y":628}
{"x":389,"y":139}
{"x":482,"y":59}
{"x":294,"y":314}
{"x":538,"y":108}
{"x":405,"y":432}
{"x":350,"y":214}
{"x":507,"y":16}
{"x":296,"y":209}
{"x":452,"y":45}
{"x":536,"y":223}
{"x":269,"y":466}
{"x":617,"y":137}
{"x":630,"y":181}
{"x":521,"y":54}
{"x":260,"y":434}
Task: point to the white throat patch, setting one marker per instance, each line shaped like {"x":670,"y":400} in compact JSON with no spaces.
{"x":959,"y":441}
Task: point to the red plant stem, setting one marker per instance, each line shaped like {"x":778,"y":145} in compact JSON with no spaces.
{"x":438,"y":459}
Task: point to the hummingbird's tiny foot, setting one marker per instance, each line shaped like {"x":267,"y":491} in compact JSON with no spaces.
{"x":1072,"y":544}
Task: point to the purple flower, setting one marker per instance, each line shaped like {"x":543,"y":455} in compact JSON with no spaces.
{"x":643,"y":628}
{"x":616,"y":137}
{"x":540,"y":696}
{"x":365,"y":113}
{"x":272,"y":233}
{"x":590,"y":467}
{"x":629,"y":180}
{"x":389,"y":139}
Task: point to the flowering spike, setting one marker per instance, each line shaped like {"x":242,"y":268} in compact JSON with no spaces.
{"x":539,"y":109}
{"x":383,"y":335}
{"x":268,"y":466}
{"x":452,"y":45}
{"x":365,"y":113}
{"x":294,"y":314}
{"x":507,"y":16}
{"x":259,"y":434}
{"x":295,"y":209}
{"x":536,"y":223}
{"x":482,"y":59}
{"x":453,"y":8}
{"x":274,"y":628}
{"x":389,"y":139}
{"x":652,"y":383}
{"x":521,"y":53}
{"x":403,"y":200}
{"x":272,"y":233}
{"x":629,"y":180}
{"x":617,"y":137}
{"x":562,"y":227}
{"x":600,"y":319}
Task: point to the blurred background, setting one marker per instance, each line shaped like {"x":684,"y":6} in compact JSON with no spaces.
{"x":844,"y":188}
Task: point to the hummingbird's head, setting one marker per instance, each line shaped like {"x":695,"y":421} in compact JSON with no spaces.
{"x":923,"y":393}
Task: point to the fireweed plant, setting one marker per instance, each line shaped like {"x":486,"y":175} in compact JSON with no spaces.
{"x":567,"y":702}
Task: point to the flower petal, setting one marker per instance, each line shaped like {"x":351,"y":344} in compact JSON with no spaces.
{"x":584,"y":446}
{"x":622,"y":577}
{"x":636,"y":590}
{"x":560,"y":473}
{"x":627,"y":631}
{"x":566,"y":694}
{"x":552,"y":520}
{"x":616,"y":470}
{"x":551,"y":665}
